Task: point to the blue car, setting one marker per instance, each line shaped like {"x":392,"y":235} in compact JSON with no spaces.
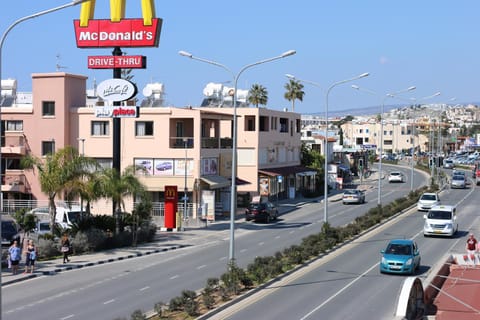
{"x":401,"y":256}
{"x":164,"y":166}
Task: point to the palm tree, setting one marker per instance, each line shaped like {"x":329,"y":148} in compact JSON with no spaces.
{"x":258,"y":94}
{"x":57,"y":173}
{"x":294,"y":92}
{"x":117,"y":186}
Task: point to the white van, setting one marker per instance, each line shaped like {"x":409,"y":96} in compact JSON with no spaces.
{"x":441,"y":220}
{"x":65,"y":216}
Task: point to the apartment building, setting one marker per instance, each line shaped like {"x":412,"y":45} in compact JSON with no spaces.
{"x":190,"y":147}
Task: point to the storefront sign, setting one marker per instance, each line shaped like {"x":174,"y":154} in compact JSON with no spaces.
{"x":118,"y":31}
{"x":117,"y":112}
{"x":111,"y":62}
{"x":116,"y":90}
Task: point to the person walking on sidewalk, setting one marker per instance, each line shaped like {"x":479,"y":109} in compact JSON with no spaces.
{"x":65,"y":248}
{"x":30,"y":256}
{"x":15,"y":256}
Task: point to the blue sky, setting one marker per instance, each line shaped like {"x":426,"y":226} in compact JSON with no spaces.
{"x":432,"y":45}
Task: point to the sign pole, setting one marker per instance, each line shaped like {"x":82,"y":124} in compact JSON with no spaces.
{"x":117,"y":74}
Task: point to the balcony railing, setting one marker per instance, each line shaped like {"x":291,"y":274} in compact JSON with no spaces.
{"x":13,"y":144}
{"x":181,"y":142}
{"x":14,"y":182}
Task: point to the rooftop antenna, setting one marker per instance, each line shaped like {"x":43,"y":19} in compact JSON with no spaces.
{"x":58,"y":66}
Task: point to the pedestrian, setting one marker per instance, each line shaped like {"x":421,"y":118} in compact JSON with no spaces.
{"x":30,"y":256}
{"x":65,"y":247}
{"x":15,"y":256}
{"x":471,"y":246}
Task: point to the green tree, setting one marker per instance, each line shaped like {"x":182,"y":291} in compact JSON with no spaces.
{"x":117,"y":186}
{"x":258,"y":94}
{"x":294,"y":92}
{"x":57,"y":172}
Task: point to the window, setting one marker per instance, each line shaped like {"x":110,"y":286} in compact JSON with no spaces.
{"x":143,"y":128}
{"x":299,"y":125}
{"x":249,"y":123}
{"x":273,"y":124}
{"x":283,"y":125}
{"x":264,"y":123}
{"x":100,"y":128}
{"x":48,"y":147}
{"x":14,"y":125}
{"x":48,"y":108}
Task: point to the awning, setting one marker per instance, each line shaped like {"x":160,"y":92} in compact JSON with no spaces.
{"x":216,"y":181}
{"x":284,"y":171}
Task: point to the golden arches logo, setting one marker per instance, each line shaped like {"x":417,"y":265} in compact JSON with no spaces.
{"x":170,"y":192}
{"x":117,"y":11}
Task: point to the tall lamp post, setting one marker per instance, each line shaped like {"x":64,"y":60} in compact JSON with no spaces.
{"x":412,"y":169}
{"x":233,"y":198}
{"x":185,"y":215}
{"x":325,"y":191}
{"x":388,"y":95}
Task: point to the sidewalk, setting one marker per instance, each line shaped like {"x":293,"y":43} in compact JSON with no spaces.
{"x":194,"y":234}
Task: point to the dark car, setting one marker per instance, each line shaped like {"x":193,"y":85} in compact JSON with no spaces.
{"x":164,"y":166}
{"x":261,"y":211}
{"x":9,"y":231}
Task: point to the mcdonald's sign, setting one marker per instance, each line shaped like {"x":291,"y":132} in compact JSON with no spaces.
{"x":171,"y":193}
{"x":118,"y":31}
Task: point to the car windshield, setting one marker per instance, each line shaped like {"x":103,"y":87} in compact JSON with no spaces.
{"x":429,"y":197}
{"x":400,"y":249}
{"x":350,"y":192}
{"x":8,"y":227}
{"x":73,"y":216}
{"x":436,"y":214}
{"x":395,"y":173}
{"x":257,"y":206}
{"x":458,"y":177}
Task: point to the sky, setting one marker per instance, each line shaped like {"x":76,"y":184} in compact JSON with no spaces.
{"x":430,"y":44}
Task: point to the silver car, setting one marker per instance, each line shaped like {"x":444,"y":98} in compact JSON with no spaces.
{"x":353,"y":196}
{"x":458,"y":182}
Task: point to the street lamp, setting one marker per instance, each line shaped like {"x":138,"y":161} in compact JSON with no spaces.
{"x":412,"y":170}
{"x":325,"y":194}
{"x":185,"y":215}
{"x":388,"y":95}
{"x":233,"y":194}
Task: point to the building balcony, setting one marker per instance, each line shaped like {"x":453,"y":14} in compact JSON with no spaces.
{"x":14,"y":144}
{"x":14,"y":181}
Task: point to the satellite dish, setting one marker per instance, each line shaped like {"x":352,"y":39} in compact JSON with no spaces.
{"x":147,"y":91}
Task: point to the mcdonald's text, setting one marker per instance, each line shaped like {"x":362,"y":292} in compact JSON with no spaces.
{"x":126,"y":33}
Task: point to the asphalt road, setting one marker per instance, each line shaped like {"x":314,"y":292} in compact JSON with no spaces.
{"x":347,"y":284}
{"x":116,"y":289}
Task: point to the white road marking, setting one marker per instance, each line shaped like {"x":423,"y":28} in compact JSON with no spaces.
{"x":144,"y":288}
{"x":174,"y":277}
{"x":261,"y":243}
{"x":67,"y":317}
{"x":109,"y":301}
{"x":201,"y":267}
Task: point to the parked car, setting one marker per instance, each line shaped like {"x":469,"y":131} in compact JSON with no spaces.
{"x":395,"y":176}
{"x":10,"y":231}
{"x":441,"y":220}
{"x":261,"y":211}
{"x":427,"y":201}
{"x":353,"y":196}
{"x":448,"y":164}
{"x":400,"y":256}
{"x":458,"y":181}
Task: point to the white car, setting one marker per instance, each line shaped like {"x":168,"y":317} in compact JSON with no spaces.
{"x":395,"y":176}
{"x":427,"y":201}
{"x":441,"y":220}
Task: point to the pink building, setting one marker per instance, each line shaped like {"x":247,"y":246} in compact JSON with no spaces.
{"x":188,"y":147}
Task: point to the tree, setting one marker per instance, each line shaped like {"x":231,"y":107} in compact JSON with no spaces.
{"x":57,"y":173}
{"x":294,"y":92}
{"x":117,"y":186}
{"x":258,"y":94}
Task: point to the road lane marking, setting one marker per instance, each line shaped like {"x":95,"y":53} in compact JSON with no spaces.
{"x":339,"y":292}
{"x":174,"y":277}
{"x":109,"y":301}
{"x":261,"y":243}
{"x":144,"y":288}
{"x":201,"y":267}
{"x":67,"y":317}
